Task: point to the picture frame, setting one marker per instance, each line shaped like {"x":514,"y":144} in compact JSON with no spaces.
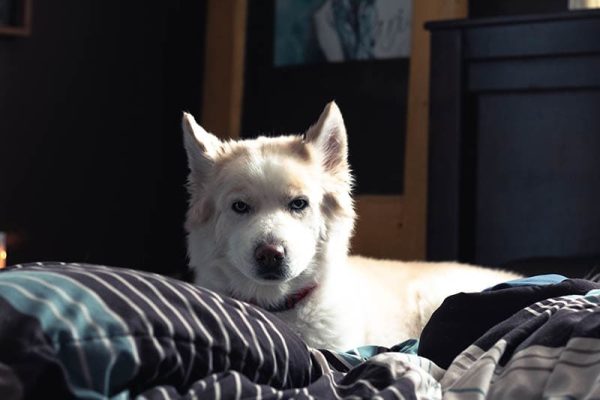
{"x":15,"y":18}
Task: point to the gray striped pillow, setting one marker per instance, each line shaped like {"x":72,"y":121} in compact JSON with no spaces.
{"x":92,"y":332}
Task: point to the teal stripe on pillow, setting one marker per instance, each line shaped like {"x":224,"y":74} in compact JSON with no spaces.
{"x":92,"y":342}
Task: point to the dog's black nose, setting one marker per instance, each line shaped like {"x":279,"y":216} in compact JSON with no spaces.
{"x":269,"y":258}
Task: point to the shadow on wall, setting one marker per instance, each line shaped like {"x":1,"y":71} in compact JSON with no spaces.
{"x":91,"y":163}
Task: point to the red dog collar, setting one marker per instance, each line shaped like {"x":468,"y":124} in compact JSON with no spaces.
{"x":291,"y":301}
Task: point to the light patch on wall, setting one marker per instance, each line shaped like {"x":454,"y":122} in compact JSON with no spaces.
{"x":3,"y":254}
{"x":583,"y":4}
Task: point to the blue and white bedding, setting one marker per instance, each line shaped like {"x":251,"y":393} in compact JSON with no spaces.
{"x":87,"y":331}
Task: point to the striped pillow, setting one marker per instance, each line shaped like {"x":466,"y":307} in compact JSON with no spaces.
{"x":93,"y":332}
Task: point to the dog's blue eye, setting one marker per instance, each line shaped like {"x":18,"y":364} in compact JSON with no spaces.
{"x":240,"y":207}
{"x":298,"y":204}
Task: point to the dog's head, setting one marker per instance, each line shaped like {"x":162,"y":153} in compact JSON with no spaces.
{"x":267,"y":215}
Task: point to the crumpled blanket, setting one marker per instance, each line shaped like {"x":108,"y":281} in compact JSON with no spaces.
{"x":94,"y":332}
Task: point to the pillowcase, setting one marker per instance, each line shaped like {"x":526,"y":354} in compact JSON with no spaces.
{"x":89,"y":331}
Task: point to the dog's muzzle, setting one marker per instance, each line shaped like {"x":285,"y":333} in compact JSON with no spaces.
{"x":271,"y":262}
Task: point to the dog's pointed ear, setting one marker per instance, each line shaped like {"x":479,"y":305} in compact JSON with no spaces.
{"x":201,"y":146}
{"x":328,"y":135}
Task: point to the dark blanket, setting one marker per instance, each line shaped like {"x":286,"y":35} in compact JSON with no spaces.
{"x":465,"y":317}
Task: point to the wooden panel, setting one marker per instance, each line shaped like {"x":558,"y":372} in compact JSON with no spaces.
{"x":379,"y":230}
{"x":535,"y":73}
{"x":415,"y":220}
{"x":396,"y":226}
{"x":520,"y":37}
{"x":224,"y":67}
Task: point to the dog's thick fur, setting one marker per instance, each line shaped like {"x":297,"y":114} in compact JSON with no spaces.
{"x":242,"y":196}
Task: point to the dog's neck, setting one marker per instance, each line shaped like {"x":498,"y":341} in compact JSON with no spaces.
{"x":291,"y":300}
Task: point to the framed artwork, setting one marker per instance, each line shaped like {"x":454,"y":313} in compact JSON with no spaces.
{"x":15,"y":17}
{"x":316,"y":31}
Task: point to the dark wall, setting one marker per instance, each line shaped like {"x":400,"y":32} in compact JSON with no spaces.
{"x":91,"y":161}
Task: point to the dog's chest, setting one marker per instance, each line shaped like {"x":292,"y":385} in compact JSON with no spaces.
{"x":326,"y":327}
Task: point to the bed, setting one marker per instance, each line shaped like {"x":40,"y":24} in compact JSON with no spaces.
{"x":96,"y":332}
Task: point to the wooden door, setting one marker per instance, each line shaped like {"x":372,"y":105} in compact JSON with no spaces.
{"x":391,"y":226}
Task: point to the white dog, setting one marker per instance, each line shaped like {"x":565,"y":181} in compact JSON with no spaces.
{"x":269,"y":222}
